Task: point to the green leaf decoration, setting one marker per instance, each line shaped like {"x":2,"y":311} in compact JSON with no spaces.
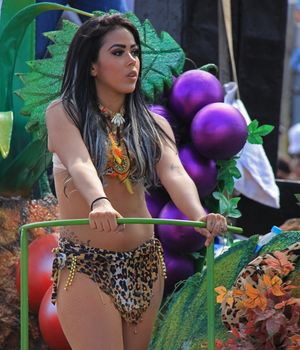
{"x":227,"y":206}
{"x":227,"y":172}
{"x":210,"y":68}
{"x":297,"y":195}
{"x":42,"y":84}
{"x":29,"y":165}
{"x":10,"y":40}
{"x":162,"y":58}
{"x":6,"y":124}
{"x":280,"y":242}
{"x":185,"y":319}
{"x":256,"y":132}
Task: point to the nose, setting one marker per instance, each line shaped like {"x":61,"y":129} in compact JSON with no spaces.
{"x":131,"y":59}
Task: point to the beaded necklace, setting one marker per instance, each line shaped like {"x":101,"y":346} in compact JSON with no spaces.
{"x":118,"y":163}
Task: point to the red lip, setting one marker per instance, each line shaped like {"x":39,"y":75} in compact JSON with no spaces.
{"x":132,"y":74}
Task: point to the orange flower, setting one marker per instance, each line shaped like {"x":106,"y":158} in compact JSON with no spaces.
{"x":295,"y":342}
{"x":256,"y":298}
{"x":223,"y":295}
{"x":280,"y":263}
{"x":274,"y":284}
{"x":284,"y":303}
{"x":222,"y":291}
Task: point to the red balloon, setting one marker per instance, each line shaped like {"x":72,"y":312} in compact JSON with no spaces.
{"x":193,"y":90}
{"x":203,"y":171}
{"x":178,"y":268}
{"x":219,"y":131}
{"x":181,"y":239}
{"x":50,"y":327}
{"x":40,"y":259}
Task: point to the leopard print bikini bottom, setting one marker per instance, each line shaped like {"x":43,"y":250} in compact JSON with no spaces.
{"x":127,"y":277}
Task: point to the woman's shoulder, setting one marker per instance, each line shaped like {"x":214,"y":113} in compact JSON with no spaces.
{"x":161,"y":121}
{"x":56,"y":111}
{"x":55,"y":105}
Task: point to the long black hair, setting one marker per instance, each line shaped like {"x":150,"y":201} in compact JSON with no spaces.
{"x":142,"y":134}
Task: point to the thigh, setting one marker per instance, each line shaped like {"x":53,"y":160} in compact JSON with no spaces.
{"x":87,"y":315}
{"x":137,"y":337}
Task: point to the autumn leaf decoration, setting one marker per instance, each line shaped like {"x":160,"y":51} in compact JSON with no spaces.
{"x":267,"y":314}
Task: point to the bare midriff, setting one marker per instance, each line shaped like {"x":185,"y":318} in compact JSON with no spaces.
{"x":74,"y":206}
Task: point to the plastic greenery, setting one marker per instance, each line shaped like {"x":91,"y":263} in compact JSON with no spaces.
{"x":227,"y":206}
{"x":6,"y":124}
{"x":256,"y":132}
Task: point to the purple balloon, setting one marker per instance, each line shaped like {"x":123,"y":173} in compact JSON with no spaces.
{"x":193,"y":90}
{"x":155,"y":201}
{"x":169,"y":116}
{"x":203,"y":171}
{"x":219,"y":131}
{"x":178,"y":268}
{"x":181,"y":239}
{"x":164,"y":112}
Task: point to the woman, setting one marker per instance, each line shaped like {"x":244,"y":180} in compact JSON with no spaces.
{"x":107,"y":147}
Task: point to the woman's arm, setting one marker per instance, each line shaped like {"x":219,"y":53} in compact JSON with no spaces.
{"x":182,"y":189}
{"x":65,"y":140}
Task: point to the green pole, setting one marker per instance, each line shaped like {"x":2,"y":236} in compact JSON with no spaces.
{"x":151,"y":221}
{"x":24,"y":288}
{"x":210,"y":297}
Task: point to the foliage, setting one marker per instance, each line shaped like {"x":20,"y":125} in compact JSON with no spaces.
{"x":256,"y":132}
{"x":6,"y":124}
{"x":227,"y":172}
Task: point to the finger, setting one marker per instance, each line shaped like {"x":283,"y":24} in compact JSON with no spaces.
{"x":218,"y":228}
{"x":93,"y":225}
{"x":121,"y":227}
{"x":100,"y":227}
{"x":106,"y":225}
{"x":204,"y":232}
{"x":209,"y":241}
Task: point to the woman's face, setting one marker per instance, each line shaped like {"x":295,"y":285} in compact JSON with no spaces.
{"x":117,"y":67}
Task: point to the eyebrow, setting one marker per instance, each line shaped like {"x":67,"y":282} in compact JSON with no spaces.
{"x":122,"y":46}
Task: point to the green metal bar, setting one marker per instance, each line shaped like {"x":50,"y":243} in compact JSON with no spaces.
{"x":210,"y":297}
{"x":24,"y":289}
{"x":152,"y":221}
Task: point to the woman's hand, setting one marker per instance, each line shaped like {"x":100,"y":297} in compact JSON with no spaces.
{"x":103,"y":217}
{"x":215,"y":224}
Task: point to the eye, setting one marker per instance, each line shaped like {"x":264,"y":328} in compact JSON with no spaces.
{"x":118,"y":52}
{"x":136,"y":52}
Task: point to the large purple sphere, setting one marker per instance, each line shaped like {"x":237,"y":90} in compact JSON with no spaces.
{"x":155,"y":201}
{"x":203,"y":171}
{"x":181,"y":239}
{"x":169,"y":116}
{"x":178,"y":268}
{"x":193,"y":90}
{"x":219,"y":131}
{"x":163,"y":111}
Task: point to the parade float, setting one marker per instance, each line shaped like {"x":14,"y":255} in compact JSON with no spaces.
{"x":256,"y":288}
